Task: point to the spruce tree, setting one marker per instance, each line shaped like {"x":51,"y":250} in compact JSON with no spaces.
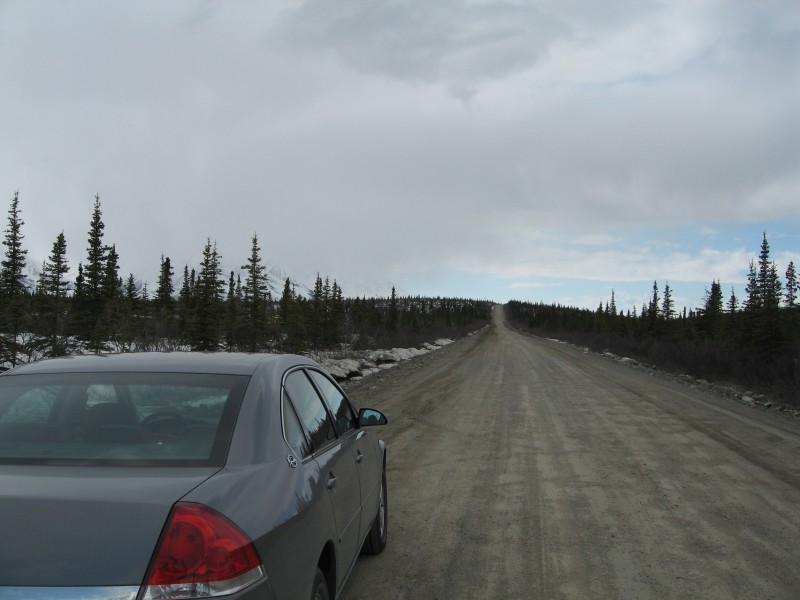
{"x":186,"y":306}
{"x":91,"y":287}
{"x":256,"y":298}
{"x":165,"y":289}
{"x":111,"y":284}
{"x":293,"y":334}
{"x":761,"y":326}
{"x":95,"y":269}
{"x":774,"y":289}
{"x":767,"y":280}
{"x":774,"y":333}
{"x":792,"y":316}
{"x":284,"y":304}
{"x":653,"y":311}
{"x":52,"y":279}
{"x":13,"y":289}
{"x":711,"y":313}
{"x":232,"y":312}
{"x":337,"y":315}
{"x":792,"y":286}
{"x":668,"y":304}
{"x":53,"y":289}
{"x":763,"y":278}
{"x":121,"y":311}
{"x":107,"y":304}
{"x":80,"y":285}
{"x":733,"y":302}
{"x":394,"y":312}
{"x":316,"y":322}
{"x":131,"y":293}
{"x":327,"y":330}
{"x":12,"y":275}
{"x":209,"y":294}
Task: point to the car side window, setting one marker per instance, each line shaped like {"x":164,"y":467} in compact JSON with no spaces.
{"x":294,"y":431}
{"x":310,"y":409}
{"x":343,"y":415}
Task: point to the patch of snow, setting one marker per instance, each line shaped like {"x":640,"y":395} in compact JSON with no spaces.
{"x":374,"y":361}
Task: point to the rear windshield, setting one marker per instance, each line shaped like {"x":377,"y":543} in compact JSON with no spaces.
{"x":118,"y":418}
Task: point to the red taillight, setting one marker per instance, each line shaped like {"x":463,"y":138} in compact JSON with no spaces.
{"x":201,"y":550}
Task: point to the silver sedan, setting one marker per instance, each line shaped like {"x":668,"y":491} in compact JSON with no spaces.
{"x":183,"y":475}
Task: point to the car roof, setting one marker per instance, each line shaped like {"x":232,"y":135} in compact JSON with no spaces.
{"x":232,"y":363}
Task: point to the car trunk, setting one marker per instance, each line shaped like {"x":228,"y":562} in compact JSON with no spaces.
{"x":85,"y":526}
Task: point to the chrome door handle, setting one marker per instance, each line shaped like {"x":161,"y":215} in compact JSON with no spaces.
{"x":331,"y":483}
{"x":359,"y":456}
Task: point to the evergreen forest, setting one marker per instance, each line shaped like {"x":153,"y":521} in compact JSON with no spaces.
{"x":63,"y":310}
{"x":68,"y":310}
{"x":753,"y":341}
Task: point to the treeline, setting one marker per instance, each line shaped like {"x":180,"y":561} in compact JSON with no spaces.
{"x":97,"y":310}
{"x":754,"y":341}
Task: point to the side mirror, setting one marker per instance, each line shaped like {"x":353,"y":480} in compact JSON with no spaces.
{"x":370,"y":416}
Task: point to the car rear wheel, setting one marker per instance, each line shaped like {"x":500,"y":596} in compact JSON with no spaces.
{"x":319,"y":591}
{"x":379,"y":532}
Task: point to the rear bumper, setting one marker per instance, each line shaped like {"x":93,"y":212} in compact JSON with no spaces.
{"x":258,"y":591}
{"x":69,"y":593}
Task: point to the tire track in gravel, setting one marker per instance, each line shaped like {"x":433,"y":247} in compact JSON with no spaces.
{"x":523,"y":468}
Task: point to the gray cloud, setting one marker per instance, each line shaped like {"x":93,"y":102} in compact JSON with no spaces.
{"x":402,"y":137}
{"x":457,"y":43}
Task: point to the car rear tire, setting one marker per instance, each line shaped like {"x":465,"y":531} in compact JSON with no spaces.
{"x":379,"y":532}
{"x":319,"y":591}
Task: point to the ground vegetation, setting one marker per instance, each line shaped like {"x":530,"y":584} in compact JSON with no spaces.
{"x":51,"y":314}
{"x":755,"y":342}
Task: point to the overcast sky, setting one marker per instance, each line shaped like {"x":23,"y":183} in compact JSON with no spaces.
{"x":546,"y":150}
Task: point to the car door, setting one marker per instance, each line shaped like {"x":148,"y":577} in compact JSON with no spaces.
{"x":335,"y":457}
{"x":366,"y":457}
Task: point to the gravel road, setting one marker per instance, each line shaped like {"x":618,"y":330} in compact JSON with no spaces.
{"x":523,"y":468}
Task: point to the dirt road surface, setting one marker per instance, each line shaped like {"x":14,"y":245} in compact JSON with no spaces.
{"x":523,"y":468}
